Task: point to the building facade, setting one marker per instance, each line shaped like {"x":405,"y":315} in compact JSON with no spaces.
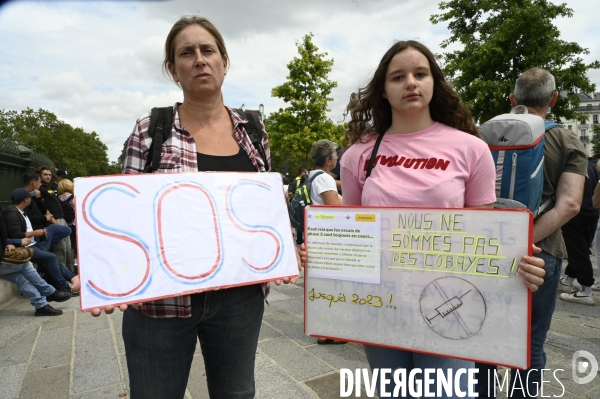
{"x":590,"y":106}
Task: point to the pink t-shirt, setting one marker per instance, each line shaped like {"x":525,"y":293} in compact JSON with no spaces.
{"x":439,"y":167}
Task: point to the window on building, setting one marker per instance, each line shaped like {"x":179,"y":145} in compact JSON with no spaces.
{"x":595,"y":118}
{"x":582,"y":132}
{"x":570,"y":127}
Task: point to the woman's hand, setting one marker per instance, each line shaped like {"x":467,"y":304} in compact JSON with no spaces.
{"x":107,"y":309}
{"x":532,"y":269}
{"x":301,"y":258}
{"x":9,"y":247}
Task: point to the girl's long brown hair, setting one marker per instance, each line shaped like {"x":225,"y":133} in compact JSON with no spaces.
{"x":370,"y":110}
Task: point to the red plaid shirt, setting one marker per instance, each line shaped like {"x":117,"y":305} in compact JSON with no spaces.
{"x":179,"y":155}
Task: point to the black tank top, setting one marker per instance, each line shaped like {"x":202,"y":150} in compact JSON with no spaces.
{"x":229,"y":163}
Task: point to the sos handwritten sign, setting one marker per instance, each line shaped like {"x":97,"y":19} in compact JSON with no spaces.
{"x":143,"y":237}
{"x":447,"y":280}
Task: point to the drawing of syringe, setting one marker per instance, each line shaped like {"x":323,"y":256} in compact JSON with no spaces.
{"x":448,"y":307}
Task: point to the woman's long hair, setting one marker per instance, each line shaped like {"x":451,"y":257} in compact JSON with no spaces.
{"x":370,"y":111}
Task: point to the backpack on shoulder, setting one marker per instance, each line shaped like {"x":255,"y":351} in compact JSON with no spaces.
{"x":161,"y":122}
{"x":299,"y":201}
{"x":517,"y":145}
{"x":68,"y":210}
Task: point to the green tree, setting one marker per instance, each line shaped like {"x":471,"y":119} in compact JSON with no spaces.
{"x":595,"y":140}
{"x":81,"y":153}
{"x":293,"y":130}
{"x":501,"y":39}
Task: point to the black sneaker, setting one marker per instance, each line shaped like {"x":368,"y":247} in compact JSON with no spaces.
{"x":48,"y":311}
{"x":59,"y":296}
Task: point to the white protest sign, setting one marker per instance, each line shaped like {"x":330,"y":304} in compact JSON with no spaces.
{"x":150,"y":236}
{"x":449,"y":282}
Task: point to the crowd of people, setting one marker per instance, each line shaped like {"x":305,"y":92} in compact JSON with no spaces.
{"x":36,"y":220}
{"x":407,"y":107}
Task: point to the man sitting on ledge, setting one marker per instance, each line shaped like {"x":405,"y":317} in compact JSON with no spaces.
{"x":26,"y":278}
{"x":18,"y":227}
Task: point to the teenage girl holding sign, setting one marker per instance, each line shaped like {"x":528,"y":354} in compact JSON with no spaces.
{"x":419,"y":116}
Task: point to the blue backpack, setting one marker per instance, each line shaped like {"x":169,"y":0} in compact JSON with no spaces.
{"x":517,"y":145}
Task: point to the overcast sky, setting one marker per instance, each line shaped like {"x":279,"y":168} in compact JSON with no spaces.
{"x":97,"y":65}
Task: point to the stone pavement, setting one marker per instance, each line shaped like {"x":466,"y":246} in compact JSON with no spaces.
{"x":78,"y":356}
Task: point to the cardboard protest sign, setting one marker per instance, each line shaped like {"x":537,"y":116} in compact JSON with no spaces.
{"x":150,"y":236}
{"x":440,"y":281}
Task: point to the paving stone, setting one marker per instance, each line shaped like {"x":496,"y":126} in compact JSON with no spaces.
{"x":95,"y":361}
{"x":261,"y":361}
{"x":593,"y":394}
{"x":567,"y":342}
{"x":299,"y":363}
{"x":123,"y":362}
{"x":328,"y":387}
{"x":65,"y":320}
{"x":291,"y":290}
{"x":112,"y":391}
{"x":267,"y":332}
{"x":86,"y":323}
{"x":577,"y":309}
{"x":18,"y":352}
{"x":10,"y":380}
{"x":117,"y":322}
{"x":290,"y":326}
{"x":275,"y":296}
{"x":339,"y":356}
{"x":53,"y":349}
{"x":293,"y":306}
{"x":271,"y":308}
{"x":592,"y":322}
{"x":272,"y":383}
{"x":13,"y":328}
{"x":40,"y":383}
{"x":574,"y":329}
{"x":197,"y":380}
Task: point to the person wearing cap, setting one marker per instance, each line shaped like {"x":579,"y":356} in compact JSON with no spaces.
{"x":26,"y":278}
{"x":62,"y":248}
{"x":18,"y":226}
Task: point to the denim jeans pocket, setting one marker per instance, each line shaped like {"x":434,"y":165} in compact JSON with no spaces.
{"x":549,"y":267}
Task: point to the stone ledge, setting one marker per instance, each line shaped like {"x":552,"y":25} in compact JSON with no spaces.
{"x":8,"y":292}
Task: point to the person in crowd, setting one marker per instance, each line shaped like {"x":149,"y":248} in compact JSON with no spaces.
{"x":323,"y":188}
{"x":18,"y":227}
{"x":66,"y":195}
{"x":61,"y":174}
{"x":160,"y":336}
{"x":37,"y":211}
{"x":297,"y":182}
{"x":409,"y":102}
{"x":335,"y":172}
{"x":62,"y":248}
{"x":565,"y":170}
{"x":578,"y":234}
{"x":27,"y":279}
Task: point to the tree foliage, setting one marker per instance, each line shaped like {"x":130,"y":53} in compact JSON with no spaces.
{"x":293,"y":130}
{"x":81,"y":153}
{"x":500,"y":40}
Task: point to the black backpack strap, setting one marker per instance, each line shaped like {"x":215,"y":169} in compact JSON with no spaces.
{"x":69,"y":198}
{"x":255,"y":133}
{"x":161,"y":122}
{"x":374,"y":155}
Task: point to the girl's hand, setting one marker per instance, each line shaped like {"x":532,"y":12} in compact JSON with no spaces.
{"x":532,"y":269}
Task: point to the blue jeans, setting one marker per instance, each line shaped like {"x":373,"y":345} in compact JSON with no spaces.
{"x":543,"y":302}
{"x":57,"y":271}
{"x":54,"y":233}
{"x":27,"y":279}
{"x":159,"y":352}
{"x":396,"y":358}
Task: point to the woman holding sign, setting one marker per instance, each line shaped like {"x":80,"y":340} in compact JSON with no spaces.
{"x":422,"y":123}
{"x":205,"y":135}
